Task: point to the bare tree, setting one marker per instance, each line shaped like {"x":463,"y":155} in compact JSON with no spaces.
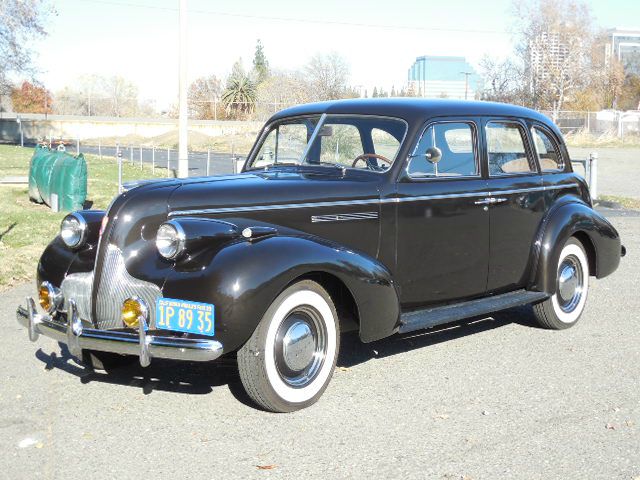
{"x":204,"y":98}
{"x":502,"y":81}
{"x":20,"y":21}
{"x":554,"y":39}
{"x":103,"y":96}
{"x":328,"y":76}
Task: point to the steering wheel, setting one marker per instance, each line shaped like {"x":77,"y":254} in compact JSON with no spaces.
{"x":365,"y":157}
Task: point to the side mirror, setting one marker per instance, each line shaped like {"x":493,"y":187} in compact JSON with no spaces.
{"x":433,"y":154}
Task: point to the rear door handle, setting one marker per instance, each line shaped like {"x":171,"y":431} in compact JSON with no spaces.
{"x":498,"y":200}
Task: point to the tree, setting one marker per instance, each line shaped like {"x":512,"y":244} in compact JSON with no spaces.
{"x":260,"y":63}
{"x":393,"y":90}
{"x":30,"y":98}
{"x":20,"y":21}
{"x":328,"y":76}
{"x":630,"y":93}
{"x":204,"y":97}
{"x":375,"y":92}
{"x":282,"y":89}
{"x":554,"y":39}
{"x":239,"y":98}
{"x":502,"y":81}
{"x":103,"y":96}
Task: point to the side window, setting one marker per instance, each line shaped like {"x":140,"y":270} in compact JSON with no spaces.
{"x":547,"y":150}
{"x":456,"y":143}
{"x":506,"y":149}
{"x":384,"y":143}
{"x":285,"y":143}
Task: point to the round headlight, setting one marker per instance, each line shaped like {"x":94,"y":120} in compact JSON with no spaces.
{"x":73,"y":230}
{"x":170,"y":240}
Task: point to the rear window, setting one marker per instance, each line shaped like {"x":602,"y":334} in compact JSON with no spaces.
{"x":547,"y":151}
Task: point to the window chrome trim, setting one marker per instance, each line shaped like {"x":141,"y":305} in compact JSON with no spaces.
{"x":476,"y":152}
{"x":370,"y":201}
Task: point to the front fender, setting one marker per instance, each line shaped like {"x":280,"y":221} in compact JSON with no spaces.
{"x":562,"y":222}
{"x":243,"y":278}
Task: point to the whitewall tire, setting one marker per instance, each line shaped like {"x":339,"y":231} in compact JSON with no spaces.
{"x":564,"y":308}
{"x":290,"y":358}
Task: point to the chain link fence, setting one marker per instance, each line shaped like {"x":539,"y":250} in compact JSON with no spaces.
{"x":612,"y":123}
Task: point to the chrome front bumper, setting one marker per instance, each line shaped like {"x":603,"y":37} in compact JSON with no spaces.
{"x":145,"y":346}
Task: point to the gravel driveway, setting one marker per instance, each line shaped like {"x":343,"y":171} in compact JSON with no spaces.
{"x":497,"y":398}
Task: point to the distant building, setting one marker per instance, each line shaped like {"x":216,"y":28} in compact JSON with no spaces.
{"x":624,"y":45}
{"x":546,"y":52}
{"x":446,"y":77}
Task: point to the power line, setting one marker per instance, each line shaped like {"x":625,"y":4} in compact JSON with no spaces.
{"x":303,"y":20}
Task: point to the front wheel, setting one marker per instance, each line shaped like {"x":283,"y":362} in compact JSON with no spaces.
{"x":287,"y":363}
{"x":564,"y":308}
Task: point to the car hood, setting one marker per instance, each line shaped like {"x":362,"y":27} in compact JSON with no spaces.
{"x":268,"y":188}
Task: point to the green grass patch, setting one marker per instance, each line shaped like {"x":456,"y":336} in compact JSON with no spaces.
{"x":26,"y":227}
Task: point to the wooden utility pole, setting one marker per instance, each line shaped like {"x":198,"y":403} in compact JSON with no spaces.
{"x":183,"y":155}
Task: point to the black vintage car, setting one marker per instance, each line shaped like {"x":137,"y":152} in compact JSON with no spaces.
{"x":382,"y":216}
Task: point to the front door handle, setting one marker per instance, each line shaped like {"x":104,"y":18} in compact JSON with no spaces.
{"x":490,"y":201}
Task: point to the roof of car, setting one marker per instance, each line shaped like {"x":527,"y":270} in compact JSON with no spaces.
{"x":411,"y":109}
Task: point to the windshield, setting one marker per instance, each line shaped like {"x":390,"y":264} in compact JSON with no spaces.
{"x":346,"y":141}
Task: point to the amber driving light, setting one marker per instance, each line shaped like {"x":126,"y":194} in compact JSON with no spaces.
{"x":49,"y":297}
{"x":133,"y":309}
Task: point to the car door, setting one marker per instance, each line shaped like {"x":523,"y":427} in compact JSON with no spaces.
{"x":517,"y":204}
{"x":442,"y":246}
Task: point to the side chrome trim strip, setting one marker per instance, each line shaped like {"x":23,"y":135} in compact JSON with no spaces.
{"x":371,"y":201}
{"x":344,"y":217}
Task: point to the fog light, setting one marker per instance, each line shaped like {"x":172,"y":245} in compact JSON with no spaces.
{"x":49,"y":297}
{"x":133,"y":309}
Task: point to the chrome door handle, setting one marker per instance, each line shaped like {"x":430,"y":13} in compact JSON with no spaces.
{"x":490,"y":201}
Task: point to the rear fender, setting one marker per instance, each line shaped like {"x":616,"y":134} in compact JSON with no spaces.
{"x":573,"y":217}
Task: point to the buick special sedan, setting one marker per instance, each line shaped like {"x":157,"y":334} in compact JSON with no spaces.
{"x":382,"y":216}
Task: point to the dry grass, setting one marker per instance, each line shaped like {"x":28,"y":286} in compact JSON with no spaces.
{"x":26,"y":227}
{"x":609,"y":139}
{"x":626,"y":202}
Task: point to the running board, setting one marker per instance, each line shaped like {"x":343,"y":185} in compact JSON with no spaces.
{"x":431,"y":317}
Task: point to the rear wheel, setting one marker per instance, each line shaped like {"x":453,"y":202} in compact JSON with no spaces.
{"x":564,"y":308}
{"x":288,"y":362}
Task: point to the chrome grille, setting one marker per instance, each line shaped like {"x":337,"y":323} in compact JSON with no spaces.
{"x":115,"y":286}
{"x":77,"y":287}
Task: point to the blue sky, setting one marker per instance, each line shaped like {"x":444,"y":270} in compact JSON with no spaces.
{"x":138,"y":39}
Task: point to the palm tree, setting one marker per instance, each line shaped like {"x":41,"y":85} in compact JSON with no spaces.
{"x":240,"y":95}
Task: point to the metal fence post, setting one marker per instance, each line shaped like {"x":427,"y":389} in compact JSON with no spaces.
{"x":100,"y":149}
{"x":131,"y":154}
{"x":153,"y":159}
{"x":77,"y":146}
{"x":208,"y":160}
{"x":119,"y":155}
{"x":140,"y":157}
{"x":168,"y":160}
{"x":593,"y":175}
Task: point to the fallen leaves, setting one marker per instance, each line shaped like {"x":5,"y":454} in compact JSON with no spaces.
{"x":266,"y":467}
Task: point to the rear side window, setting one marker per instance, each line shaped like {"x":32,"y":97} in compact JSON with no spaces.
{"x":547,"y":150}
{"x":455,"y":141}
{"x":506,"y":149}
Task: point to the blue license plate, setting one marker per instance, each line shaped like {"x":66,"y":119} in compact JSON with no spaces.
{"x":184,"y":316}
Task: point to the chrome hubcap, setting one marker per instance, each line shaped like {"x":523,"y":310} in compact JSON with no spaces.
{"x":570,"y":283}
{"x":298,"y":346}
{"x":301,"y":345}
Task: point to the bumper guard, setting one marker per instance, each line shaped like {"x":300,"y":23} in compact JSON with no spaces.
{"x":144,"y":346}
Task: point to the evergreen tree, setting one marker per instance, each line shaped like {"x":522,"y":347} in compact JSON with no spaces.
{"x":393,"y":90}
{"x":260,"y":63}
{"x":375,"y":92}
